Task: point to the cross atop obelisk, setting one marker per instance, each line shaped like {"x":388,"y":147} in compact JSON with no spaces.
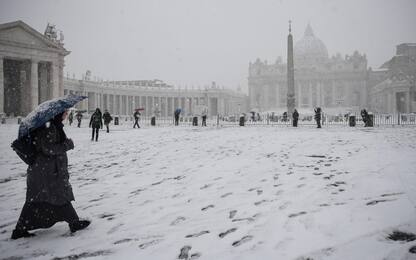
{"x":290,"y":74}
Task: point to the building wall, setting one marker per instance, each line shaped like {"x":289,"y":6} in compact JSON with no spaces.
{"x":121,"y":98}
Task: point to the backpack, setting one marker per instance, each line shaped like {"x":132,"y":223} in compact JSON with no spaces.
{"x":25,"y":149}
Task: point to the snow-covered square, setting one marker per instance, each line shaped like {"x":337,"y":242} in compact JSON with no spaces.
{"x":225,"y":193}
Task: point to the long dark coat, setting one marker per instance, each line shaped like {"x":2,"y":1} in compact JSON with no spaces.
{"x":48,"y":177}
{"x":96,"y":120}
{"x":107,"y":118}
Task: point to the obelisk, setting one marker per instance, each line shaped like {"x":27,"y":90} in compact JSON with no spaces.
{"x":290,"y":74}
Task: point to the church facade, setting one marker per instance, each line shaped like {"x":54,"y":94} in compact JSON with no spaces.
{"x":31,"y":68}
{"x":337,"y":84}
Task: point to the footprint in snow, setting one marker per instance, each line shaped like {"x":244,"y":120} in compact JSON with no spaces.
{"x":150,"y":243}
{"x":198,"y":234}
{"x":297,"y":214}
{"x":184,"y":254}
{"x":223,"y":234}
{"x":232,"y":213}
{"x":226,"y":194}
{"x":243,"y":240}
{"x":207,"y":207}
{"x":177,"y":221}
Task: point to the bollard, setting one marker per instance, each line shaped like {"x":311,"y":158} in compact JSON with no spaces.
{"x":116,"y":120}
{"x":241,"y":120}
{"x":153,"y":121}
{"x":195,"y":121}
{"x":351,"y":121}
{"x":370,"y":120}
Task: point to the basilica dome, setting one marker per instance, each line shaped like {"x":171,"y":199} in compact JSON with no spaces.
{"x":310,"y":50}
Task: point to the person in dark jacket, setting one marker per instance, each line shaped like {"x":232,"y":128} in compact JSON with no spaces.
{"x":295,"y":118}
{"x":107,"y":119}
{"x":49,"y":193}
{"x":136,"y":116}
{"x":96,"y":122}
{"x":177,"y":113}
{"x":71,"y":117}
{"x":364,"y":116}
{"x":79,"y":118}
{"x":284,"y":116}
{"x":318,"y":116}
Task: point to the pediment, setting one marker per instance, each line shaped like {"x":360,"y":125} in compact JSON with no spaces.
{"x":22,"y":34}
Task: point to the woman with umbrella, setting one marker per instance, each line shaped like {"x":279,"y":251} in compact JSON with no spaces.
{"x":49,"y":193}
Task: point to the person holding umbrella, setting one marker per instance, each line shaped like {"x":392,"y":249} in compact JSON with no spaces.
{"x":49,"y":193}
{"x":96,"y":122}
{"x":136,"y":116}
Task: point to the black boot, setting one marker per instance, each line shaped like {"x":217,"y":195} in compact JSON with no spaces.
{"x":21,"y":233}
{"x":79,"y":225}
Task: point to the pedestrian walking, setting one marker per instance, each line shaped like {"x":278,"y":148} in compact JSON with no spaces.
{"x":365,"y":117}
{"x":79,"y":118}
{"x":71,"y":117}
{"x":284,"y":116}
{"x":177,"y":113}
{"x":49,"y":192}
{"x":295,"y":117}
{"x":96,"y":123}
{"x":136,"y":116}
{"x":204,"y":116}
{"x":318,"y":117}
{"x":107,"y":119}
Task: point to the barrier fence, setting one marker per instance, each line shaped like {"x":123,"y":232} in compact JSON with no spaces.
{"x":398,"y":119}
{"x":308,"y":120}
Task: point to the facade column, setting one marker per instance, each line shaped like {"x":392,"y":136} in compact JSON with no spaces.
{"x":133,"y":104}
{"x":333,"y":94}
{"x":1,"y":86}
{"x":34,"y":86}
{"x":127,"y":105}
{"x":120,"y":104}
{"x":408,"y":102}
{"x":310,"y":94}
{"x":55,"y":79}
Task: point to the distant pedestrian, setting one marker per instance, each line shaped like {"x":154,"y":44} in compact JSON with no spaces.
{"x":295,"y":118}
{"x":318,"y":116}
{"x":96,"y":123}
{"x":136,"y":116}
{"x":107,"y":119}
{"x":284,"y":116}
{"x":365,"y":117}
{"x":79,"y":118}
{"x":71,"y":117}
{"x":177,"y":113}
{"x":204,"y":116}
{"x":49,"y":193}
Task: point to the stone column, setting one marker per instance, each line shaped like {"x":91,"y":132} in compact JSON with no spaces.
{"x":34,"y":86}
{"x":1,"y":86}
{"x":55,"y":79}
{"x":310,"y":94}
{"x":120,"y":104}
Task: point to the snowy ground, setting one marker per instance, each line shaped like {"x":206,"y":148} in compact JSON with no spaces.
{"x":230,"y":193}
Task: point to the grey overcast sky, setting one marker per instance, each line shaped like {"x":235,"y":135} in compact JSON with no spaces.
{"x":195,"y":42}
